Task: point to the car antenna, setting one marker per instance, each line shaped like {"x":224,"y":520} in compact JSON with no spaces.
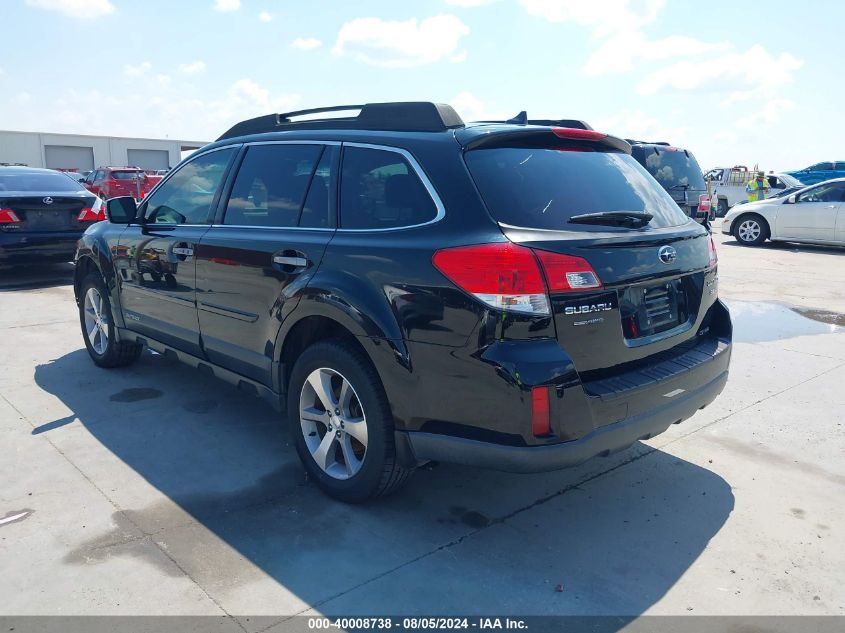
{"x":519,"y":119}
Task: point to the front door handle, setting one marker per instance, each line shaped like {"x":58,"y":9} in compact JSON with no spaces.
{"x":284,"y":260}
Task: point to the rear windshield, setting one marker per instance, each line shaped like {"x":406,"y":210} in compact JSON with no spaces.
{"x":672,"y":168}
{"x":38,"y":181}
{"x":544,"y":188}
{"x":127,"y":175}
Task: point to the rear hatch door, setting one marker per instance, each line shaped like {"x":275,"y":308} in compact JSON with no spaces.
{"x":651,"y":271}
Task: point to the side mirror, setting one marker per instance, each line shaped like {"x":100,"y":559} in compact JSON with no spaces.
{"x":122,"y":210}
{"x":792,"y":199}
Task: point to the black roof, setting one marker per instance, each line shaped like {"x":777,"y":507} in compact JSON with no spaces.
{"x":402,"y":116}
{"x":635,"y":142}
{"x":410,"y":121}
{"x":26,"y":169}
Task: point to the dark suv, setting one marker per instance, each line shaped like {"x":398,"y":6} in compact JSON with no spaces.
{"x":519,"y":296}
{"x":679,"y":173}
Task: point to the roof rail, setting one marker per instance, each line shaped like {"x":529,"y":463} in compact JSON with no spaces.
{"x":522,"y":119}
{"x":400,"y":116}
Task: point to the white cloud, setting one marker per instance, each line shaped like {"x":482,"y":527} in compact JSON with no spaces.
{"x":265,"y":16}
{"x":138,"y":70}
{"x":150,"y":107}
{"x":618,"y":53}
{"x":163,"y":80}
{"x":642,"y":126}
{"x":604,"y":16}
{"x":769,"y":114}
{"x":469,"y":4}
{"x":471,"y":108}
{"x":402,"y":44}
{"x":306,"y":43}
{"x":75,"y":8}
{"x":750,"y":72}
{"x":227,"y":5}
{"x":193,"y":68}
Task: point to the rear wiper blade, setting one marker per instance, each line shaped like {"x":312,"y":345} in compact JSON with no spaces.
{"x":613,"y":218}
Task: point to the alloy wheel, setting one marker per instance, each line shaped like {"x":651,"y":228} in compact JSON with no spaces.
{"x":96,"y":321}
{"x":333,"y":423}
{"x":749,"y":230}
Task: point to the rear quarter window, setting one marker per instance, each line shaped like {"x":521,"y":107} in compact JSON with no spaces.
{"x":381,"y":190}
{"x":544,"y":188}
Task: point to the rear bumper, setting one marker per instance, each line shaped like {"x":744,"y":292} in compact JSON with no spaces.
{"x":477,"y":418}
{"x":603,"y":441}
{"x":38,"y":247}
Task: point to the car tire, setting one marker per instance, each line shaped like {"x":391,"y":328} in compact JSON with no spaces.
{"x":351,"y":466}
{"x":98,"y":330}
{"x":722,"y":208}
{"x":751,"y":229}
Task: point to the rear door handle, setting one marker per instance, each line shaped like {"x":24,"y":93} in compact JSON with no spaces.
{"x":185,"y":251}
{"x":285,"y":260}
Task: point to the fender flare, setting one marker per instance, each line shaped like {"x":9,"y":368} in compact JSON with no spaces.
{"x":95,"y":250}
{"x":383,"y":344}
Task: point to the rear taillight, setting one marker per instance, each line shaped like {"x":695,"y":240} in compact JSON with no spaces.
{"x":507,"y":276}
{"x":504,"y":275}
{"x":9,"y":218}
{"x":578,"y":134}
{"x":711,"y":252}
{"x":704,"y":203}
{"x":540,"y":422}
{"x":91,"y":215}
{"x":565,"y":273}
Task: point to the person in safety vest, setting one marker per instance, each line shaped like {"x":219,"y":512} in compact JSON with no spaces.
{"x":758,"y":188}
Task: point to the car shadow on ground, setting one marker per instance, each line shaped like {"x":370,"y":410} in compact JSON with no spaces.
{"x":34,"y":276}
{"x":795,"y":247}
{"x":610,"y":543}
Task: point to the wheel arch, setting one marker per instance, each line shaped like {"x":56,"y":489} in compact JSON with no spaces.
{"x":766,"y":224}
{"x":94,"y":255}
{"x":314,"y":325}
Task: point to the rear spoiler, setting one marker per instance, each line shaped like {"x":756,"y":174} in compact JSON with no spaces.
{"x":543,"y":137}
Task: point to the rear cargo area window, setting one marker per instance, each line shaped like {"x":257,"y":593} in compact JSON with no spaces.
{"x":544,"y":188}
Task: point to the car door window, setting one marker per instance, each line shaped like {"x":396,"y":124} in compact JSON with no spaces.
{"x":316,"y":212}
{"x":186,"y":197}
{"x":824,"y":193}
{"x":271,"y":184}
{"x":380,"y":190}
{"x":840,"y":166}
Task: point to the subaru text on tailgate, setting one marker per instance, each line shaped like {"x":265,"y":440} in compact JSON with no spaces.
{"x":408,"y":287}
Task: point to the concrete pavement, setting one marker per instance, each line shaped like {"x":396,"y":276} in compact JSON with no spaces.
{"x":155,"y":490}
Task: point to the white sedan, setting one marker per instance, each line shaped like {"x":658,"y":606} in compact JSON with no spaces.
{"x":814,"y":214}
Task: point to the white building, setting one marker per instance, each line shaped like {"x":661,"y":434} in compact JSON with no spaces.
{"x":78,"y":152}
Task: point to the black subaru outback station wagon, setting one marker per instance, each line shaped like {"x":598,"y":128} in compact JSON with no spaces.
{"x":516,"y":295}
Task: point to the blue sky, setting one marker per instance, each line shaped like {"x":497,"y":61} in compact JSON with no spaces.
{"x":737,"y":83}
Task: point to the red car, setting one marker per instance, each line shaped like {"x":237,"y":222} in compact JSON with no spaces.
{"x":112,"y":182}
